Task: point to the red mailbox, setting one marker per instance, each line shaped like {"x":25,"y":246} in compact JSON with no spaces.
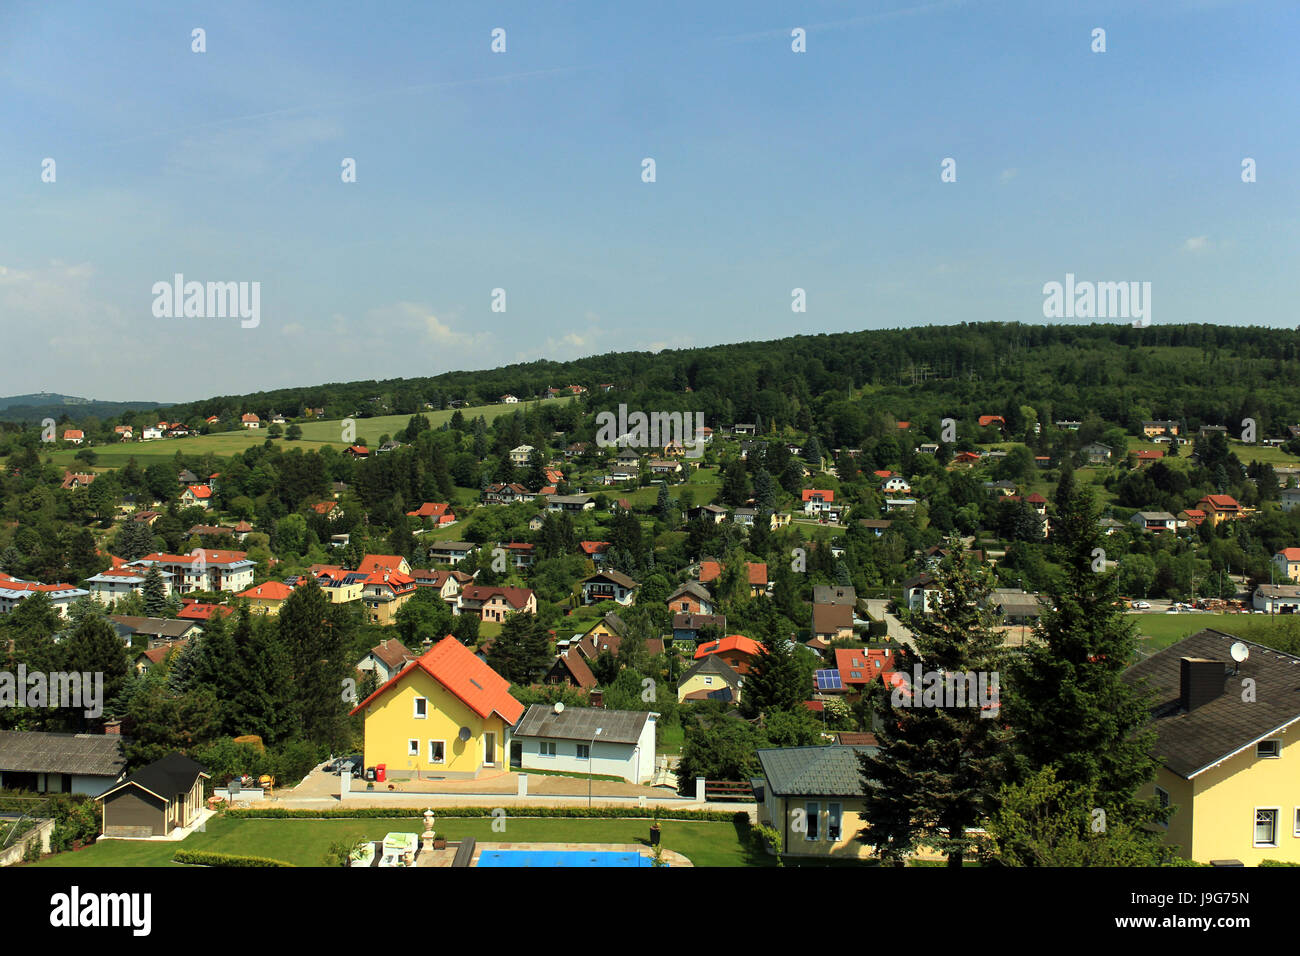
{"x":381,"y":772}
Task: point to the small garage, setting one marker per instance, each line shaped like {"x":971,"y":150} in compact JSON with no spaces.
{"x":155,"y":799}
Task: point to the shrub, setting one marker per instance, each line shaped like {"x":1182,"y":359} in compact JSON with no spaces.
{"x":206,"y":858}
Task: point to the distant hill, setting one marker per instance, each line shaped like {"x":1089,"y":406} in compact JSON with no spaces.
{"x":39,"y":405}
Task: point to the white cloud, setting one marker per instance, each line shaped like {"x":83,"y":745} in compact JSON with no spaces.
{"x":1197,"y":244}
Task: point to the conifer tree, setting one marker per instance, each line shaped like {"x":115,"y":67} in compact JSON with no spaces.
{"x":942,"y":743}
{"x":1068,"y":702}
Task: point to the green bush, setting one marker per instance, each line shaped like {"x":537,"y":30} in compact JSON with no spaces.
{"x":206,"y":858}
{"x":1276,"y":863}
{"x":76,"y":820}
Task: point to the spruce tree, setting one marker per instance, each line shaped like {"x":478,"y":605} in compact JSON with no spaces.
{"x":942,"y":744}
{"x":776,"y":681}
{"x":154,"y":592}
{"x":1068,"y":703}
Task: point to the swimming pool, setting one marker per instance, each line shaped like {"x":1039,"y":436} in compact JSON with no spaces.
{"x":576,"y":858}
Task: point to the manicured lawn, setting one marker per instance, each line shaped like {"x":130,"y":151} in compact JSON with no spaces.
{"x":671,"y":738}
{"x":304,"y":842}
{"x":315,"y":435}
{"x":1158,"y":631}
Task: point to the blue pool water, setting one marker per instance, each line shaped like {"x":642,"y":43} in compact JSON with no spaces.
{"x":561,"y":858}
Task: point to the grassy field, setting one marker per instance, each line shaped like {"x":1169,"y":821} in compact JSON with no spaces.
{"x":304,"y":842}
{"x":315,"y":435}
{"x":1158,"y":631}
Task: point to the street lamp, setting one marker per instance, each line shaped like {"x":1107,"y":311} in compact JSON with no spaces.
{"x":590,"y":747}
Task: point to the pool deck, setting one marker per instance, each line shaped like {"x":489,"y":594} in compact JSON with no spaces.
{"x":671,"y":857}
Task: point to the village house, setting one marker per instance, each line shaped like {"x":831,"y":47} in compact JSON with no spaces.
{"x":494,"y":604}
{"x":1228,"y":761}
{"x":446,"y":712}
{"x":616,"y":743}
{"x":609,"y":585}
{"x":386,"y":659}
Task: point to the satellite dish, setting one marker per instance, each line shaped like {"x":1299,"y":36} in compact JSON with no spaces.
{"x":464,"y":733}
{"x":1239,"y":652}
{"x":559,"y":707}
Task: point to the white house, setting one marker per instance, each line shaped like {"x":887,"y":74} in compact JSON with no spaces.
{"x":1290,"y":498}
{"x":619,"y":743}
{"x":204,"y":569}
{"x":108,"y":586}
{"x":13,"y":590}
{"x":150,"y":432}
{"x":1277,"y":598}
{"x":519,"y":456}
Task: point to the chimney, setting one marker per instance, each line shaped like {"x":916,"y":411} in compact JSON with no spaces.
{"x":113,"y":727}
{"x":597,"y":698}
{"x":1200,"y":681}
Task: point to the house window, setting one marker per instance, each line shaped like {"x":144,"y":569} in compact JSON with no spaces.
{"x":584,"y":751}
{"x":1266,"y":827}
{"x":421,"y":708}
{"x":546,"y":748}
{"x":1268,"y":748}
{"x":833,"y":813}
{"x":1162,"y":801}
{"x":437,"y":751}
{"x":812,"y":810}
{"x":412,"y":748}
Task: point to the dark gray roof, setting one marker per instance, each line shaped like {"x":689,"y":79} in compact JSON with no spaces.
{"x":28,"y":751}
{"x":832,"y":594}
{"x":618,"y":577}
{"x":168,"y":776}
{"x":831,"y":771}
{"x":1192,"y":742}
{"x":580,"y":723}
{"x":692,"y":587}
{"x":155,"y":626}
{"x":711,"y":664}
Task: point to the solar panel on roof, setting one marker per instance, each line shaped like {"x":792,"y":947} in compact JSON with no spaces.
{"x":828,"y":680}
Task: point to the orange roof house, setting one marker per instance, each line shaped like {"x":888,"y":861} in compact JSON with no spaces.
{"x":266,"y":598}
{"x":737,"y":650}
{"x":383,"y":562}
{"x":987,"y":420}
{"x":858,"y":666}
{"x":445,"y":711}
{"x":1219,"y":508}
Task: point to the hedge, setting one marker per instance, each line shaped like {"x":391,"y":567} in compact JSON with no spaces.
{"x":600,"y":813}
{"x":205,"y":858}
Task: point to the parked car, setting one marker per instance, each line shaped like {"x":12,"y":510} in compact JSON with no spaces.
{"x":1141,"y":606}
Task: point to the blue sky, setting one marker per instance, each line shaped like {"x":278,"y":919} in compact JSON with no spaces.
{"x":522,"y":170}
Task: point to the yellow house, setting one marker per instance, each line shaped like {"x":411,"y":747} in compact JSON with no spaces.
{"x":814,"y":797}
{"x":779,"y":520}
{"x":266,"y":598}
{"x":446,"y":712}
{"x":710,"y":678}
{"x":1228,"y":732}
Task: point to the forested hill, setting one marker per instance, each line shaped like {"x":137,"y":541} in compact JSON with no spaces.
{"x":1200,"y":373}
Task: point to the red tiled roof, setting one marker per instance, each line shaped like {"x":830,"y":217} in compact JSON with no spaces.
{"x":517,"y":598}
{"x":200,"y":491}
{"x":857,"y":665}
{"x":593,"y":548}
{"x":380,"y":562}
{"x":1149,"y":454}
{"x":733,"y":642}
{"x":826,"y":495}
{"x":455,"y":667}
{"x":1290,"y":554}
{"x":430,"y":509}
{"x":198,"y":611}
{"x":270,"y":591}
{"x":324,"y":507}
{"x":986,"y":420}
